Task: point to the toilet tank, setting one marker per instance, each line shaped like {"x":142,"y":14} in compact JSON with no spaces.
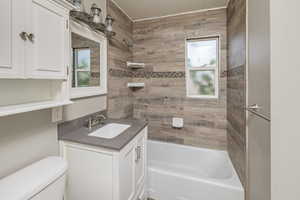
{"x":43,"y":180}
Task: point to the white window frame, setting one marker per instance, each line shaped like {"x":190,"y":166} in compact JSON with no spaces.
{"x":85,"y":31}
{"x":216,"y":69}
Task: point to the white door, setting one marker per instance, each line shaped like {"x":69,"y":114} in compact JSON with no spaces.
{"x":140,"y":160}
{"x":46,"y":56}
{"x":258,"y":124}
{"x":127,"y":168}
{"x":12,"y":24}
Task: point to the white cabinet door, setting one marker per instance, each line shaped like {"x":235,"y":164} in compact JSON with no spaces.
{"x":46,"y":56}
{"x":12,"y":24}
{"x":127,"y":168}
{"x":141,"y":159}
{"x":89,"y":175}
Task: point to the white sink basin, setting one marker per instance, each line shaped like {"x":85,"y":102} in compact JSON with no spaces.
{"x":110,"y":131}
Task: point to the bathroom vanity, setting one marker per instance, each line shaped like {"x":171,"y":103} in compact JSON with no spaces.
{"x":106,"y":163}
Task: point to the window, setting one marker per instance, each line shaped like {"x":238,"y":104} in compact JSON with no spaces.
{"x":202,"y":67}
{"x":82,"y":67}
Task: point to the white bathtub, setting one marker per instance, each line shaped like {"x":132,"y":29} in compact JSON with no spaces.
{"x":177,"y":172}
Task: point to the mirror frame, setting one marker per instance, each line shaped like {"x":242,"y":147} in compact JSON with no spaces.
{"x":84,"y":31}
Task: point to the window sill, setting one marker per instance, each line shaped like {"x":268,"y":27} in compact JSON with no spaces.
{"x":203,"y":97}
{"x":77,"y":93}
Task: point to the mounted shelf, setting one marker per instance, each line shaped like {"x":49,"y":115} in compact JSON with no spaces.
{"x":135,"y":85}
{"x":133,"y":65}
{"x":28,"y":107}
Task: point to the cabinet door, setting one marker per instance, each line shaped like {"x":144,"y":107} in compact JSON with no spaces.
{"x":46,"y":56}
{"x":140,"y":161}
{"x":127,"y":167}
{"x":12,"y":24}
{"x":89,"y":175}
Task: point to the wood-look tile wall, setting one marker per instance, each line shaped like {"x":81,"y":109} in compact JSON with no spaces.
{"x":236,"y":85}
{"x":160,"y":44}
{"x":120,"y":99}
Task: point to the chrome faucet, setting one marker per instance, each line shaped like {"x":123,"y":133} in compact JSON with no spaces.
{"x":95,"y":120}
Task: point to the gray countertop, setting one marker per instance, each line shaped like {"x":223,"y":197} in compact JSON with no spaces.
{"x":80,"y":135}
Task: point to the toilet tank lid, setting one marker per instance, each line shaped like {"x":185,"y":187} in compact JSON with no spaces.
{"x":27,"y":182}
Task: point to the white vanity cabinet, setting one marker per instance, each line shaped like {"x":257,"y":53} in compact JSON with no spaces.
{"x":95,"y":173}
{"x":34,"y":39}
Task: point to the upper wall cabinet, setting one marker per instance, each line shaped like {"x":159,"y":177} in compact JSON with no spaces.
{"x":47,"y":46}
{"x":12,"y":23}
{"x":34,"y":39}
{"x":34,"y":56}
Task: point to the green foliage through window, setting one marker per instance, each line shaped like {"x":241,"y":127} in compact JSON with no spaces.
{"x":81,"y":67}
{"x":202,"y":66}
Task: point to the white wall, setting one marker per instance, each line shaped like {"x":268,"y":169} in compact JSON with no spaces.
{"x":285,"y":99}
{"x":26,"y":138}
{"x":83,"y":107}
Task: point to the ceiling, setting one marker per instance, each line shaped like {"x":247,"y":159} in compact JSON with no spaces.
{"x":141,"y":9}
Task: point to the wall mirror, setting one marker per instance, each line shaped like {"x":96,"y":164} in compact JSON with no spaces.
{"x":88,"y":62}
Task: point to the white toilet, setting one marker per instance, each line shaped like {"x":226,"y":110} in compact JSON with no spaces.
{"x":43,"y":180}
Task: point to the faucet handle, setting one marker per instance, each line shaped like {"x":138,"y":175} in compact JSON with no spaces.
{"x":88,"y":120}
{"x":89,"y":123}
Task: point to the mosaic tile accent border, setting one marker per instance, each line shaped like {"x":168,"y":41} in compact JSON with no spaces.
{"x":145,"y":74}
{"x":120,"y":73}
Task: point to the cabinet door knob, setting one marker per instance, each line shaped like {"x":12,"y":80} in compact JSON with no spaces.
{"x":136,"y":154}
{"x":23,"y":35}
{"x":31,"y":37}
{"x":139,"y":152}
